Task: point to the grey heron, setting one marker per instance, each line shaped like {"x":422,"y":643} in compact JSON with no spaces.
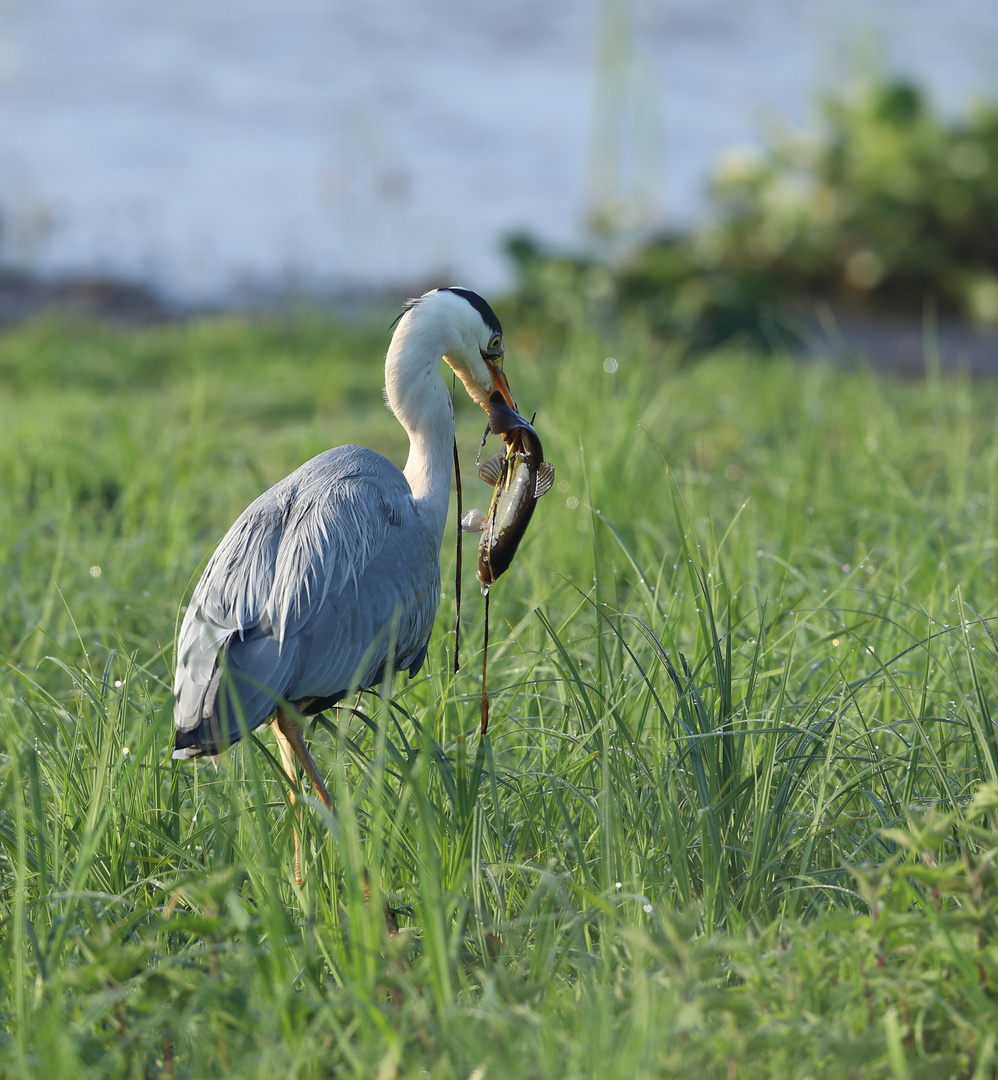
{"x":330,"y":580}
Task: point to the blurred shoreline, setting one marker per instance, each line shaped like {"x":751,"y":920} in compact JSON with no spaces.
{"x":908,"y":346}
{"x":24,"y":296}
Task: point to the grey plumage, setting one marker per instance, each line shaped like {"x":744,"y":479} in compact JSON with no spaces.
{"x":304,"y":596}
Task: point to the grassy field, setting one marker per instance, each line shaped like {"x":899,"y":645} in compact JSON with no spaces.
{"x":736,"y":813}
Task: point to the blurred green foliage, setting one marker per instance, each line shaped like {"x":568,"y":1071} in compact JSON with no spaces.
{"x":889,"y":204}
{"x":889,"y":207}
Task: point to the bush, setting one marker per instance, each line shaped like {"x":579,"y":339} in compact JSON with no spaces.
{"x":888,"y":208}
{"x":890,"y":205}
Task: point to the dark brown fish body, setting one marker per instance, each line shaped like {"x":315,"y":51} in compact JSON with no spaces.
{"x":520,"y":477}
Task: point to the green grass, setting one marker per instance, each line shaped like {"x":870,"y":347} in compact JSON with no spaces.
{"x":736,"y":813}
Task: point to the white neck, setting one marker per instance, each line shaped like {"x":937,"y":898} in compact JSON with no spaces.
{"x":418,"y":397}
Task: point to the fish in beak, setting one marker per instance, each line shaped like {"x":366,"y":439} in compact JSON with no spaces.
{"x":519,"y":477}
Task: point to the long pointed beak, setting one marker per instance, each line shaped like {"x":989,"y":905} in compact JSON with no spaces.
{"x":501,"y":384}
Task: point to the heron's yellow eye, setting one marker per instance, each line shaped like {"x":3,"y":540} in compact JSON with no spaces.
{"x":495,"y":343}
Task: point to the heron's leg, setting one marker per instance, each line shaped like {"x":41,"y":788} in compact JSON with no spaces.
{"x":291,"y":744}
{"x":288,"y":759}
{"x":291,"y":741}
{"x":288,"y":728}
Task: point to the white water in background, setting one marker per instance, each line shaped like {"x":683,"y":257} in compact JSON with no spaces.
{"x":219,"y":147}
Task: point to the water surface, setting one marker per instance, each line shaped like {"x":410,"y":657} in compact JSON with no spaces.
{"x":216,"y":149}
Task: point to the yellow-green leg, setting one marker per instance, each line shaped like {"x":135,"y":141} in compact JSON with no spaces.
{"x":291,"y":744}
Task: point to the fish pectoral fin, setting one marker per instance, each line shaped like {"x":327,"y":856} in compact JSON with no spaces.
{"x":491,"y":469}
{"x":474,"y":521}
{"x":544,"y":479}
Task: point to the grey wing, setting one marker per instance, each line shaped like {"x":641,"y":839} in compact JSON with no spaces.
{"x":305,"y":597}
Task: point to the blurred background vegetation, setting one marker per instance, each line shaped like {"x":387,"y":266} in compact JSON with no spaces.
{"x":888,"y":207}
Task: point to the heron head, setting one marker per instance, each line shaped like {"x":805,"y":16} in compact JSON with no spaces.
{"x":472,"y":339}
